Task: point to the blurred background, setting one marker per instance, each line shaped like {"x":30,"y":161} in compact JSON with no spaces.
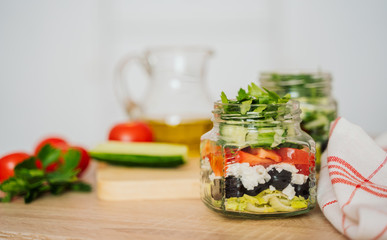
{"x":57,"y":57}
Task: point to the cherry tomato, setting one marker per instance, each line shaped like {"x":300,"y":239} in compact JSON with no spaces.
{"x":131,"y":132}
{"x":9,"y":162}
{"x":84,"y":161}
{"x":54,"y":141}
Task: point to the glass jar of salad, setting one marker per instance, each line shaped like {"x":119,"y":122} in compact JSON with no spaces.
{"x":256,"y":161}
{"x":313,"y":91}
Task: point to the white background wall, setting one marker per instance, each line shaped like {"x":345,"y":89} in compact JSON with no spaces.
{"x":57,"y":57}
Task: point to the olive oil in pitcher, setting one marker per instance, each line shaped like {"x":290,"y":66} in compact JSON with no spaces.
{"x":187,"y":132}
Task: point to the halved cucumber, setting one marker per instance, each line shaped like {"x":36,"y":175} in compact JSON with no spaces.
{"x":233,"y":134}
{"x":141,"y":154}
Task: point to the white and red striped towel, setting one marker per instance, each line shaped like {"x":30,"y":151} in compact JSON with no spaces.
{"x":352,"y":188}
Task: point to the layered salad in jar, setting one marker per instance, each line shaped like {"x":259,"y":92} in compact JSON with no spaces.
{"x":256,"y":161}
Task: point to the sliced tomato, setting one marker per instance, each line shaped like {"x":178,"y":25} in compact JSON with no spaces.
{"x":205,"y":148}
{"x":216,"y":162}
{"x":208,"y":147}
{"x":213,"y":152}
{"x":253,"y":159}
{"x":303,"y":168}
{"x":268,"y":154}
{"x":301,"y":159}
{"x":293,"y":156}
{"x":230,"y":155}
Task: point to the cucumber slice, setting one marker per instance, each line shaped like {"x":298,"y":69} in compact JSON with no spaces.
{"x":141,"y":154}
{"x":233,"y":134}
{"x":265,"y":137}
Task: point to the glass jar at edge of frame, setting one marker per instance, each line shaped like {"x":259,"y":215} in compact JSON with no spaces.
{"x":313,"y":91}
{"x":256,"y":166}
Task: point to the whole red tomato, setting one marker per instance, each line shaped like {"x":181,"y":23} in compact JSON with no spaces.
{"x":9,"y":162}
{"x":54,"y":141}
{"x":84,"y":161}
{"x":64,"y":147}
{"x":131,"y":132}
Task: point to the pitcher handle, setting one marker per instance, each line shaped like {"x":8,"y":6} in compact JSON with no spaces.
{"x":121,"y":87}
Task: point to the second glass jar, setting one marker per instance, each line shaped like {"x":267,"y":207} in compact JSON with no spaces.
{"x":258,"y":166}
{"x":313,"y":91}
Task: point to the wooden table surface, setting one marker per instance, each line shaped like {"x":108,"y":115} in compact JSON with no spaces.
{"x":84,"y":216}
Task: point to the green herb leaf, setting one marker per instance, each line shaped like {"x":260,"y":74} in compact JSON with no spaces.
{"x":273,"y":95}
{"x":7,"y":198}
{"x":60,"y":177}
{"x":72,"y":158}
{"x":223,"y":97}
{"x":284,"y":99}
{"x":29,"y":163}
{"x":58,"y":189}
{"x":260,"y":109}
{"x":24,"y":173}
{"x":242,"y":95}
{"x":80,"y":187}
{"x":14,"y":185}
{"x":34,"y":193}
{"x":255,"y":91}
{"x":245,"y":107}
{"x":27,"y":170}
{"x":48,"y":155}
{"x":264,"y":99}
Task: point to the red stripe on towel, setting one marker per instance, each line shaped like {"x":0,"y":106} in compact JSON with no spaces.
{"x":329,"y":203}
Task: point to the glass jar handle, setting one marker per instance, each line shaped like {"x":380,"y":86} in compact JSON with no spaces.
{"x":121,"y":87}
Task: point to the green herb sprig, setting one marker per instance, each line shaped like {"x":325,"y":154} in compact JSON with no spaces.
{"x":31,"y":182}
{"x":254,"y":96}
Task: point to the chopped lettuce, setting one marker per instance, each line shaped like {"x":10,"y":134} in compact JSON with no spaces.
{"x":264,"y":209}
{"x":267,"y":194}
{"x":279,"y":206}
{"x":299,"y":203}
{"x":236,"y":204}
{"x":266,"y":201}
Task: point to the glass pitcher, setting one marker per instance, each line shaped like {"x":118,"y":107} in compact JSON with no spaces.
{"x":176,"y":104}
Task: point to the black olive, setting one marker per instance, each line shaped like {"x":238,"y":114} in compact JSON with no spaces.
{"x":257,"y":189}
{"x":280,"y":180}
{"x":234,"y":187}
{"x":302,"y":189}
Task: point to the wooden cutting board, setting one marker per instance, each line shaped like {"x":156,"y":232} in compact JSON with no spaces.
{"x":129,"y":183}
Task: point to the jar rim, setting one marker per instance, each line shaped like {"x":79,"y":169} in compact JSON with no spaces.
{"x":295,"y":72}
{"x":291,"y":102}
